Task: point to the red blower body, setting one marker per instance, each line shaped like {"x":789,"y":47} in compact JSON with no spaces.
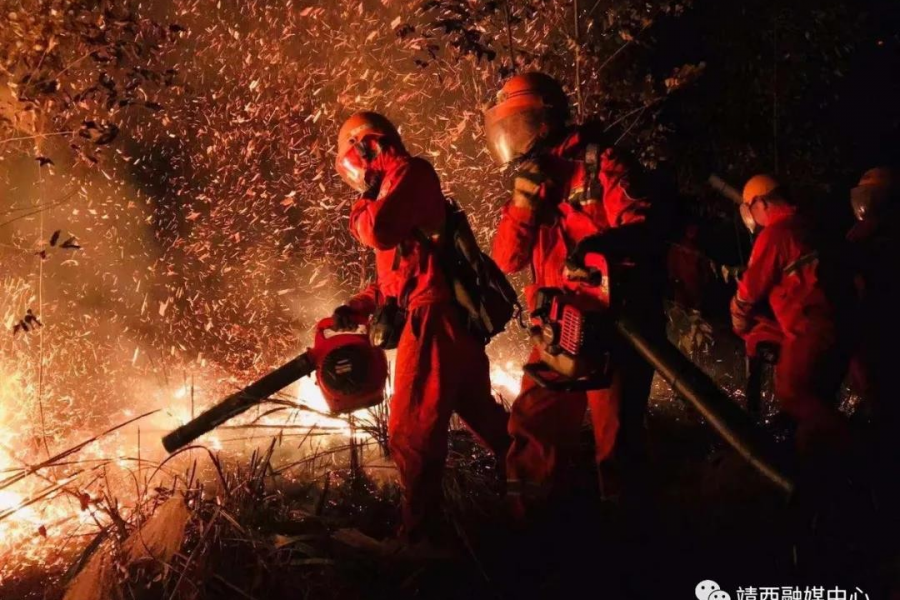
{"x":350,"y":372}
{"x":575,"y":331}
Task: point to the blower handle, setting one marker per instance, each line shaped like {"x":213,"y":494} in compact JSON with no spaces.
{"x":239,"y":402}
{"x":589,"y":276}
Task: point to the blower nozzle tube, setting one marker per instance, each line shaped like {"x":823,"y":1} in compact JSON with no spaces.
{"x":691,"y":383}
{"x":724,"y":188}
{"x":239,"y":402}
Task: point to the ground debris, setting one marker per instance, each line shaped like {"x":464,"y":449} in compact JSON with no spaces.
{"x":153,"y":546}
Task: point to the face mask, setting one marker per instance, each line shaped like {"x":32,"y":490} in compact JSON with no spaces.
{"x":513,"y":136}
{"x":747,"y":217}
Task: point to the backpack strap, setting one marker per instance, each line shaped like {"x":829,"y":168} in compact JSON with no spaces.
{"x":591,"y":190}
{"x":807,"y":259}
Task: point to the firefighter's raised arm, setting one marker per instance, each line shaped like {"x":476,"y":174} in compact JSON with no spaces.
{"x":401,"y":206}
{"x":517,"y":230}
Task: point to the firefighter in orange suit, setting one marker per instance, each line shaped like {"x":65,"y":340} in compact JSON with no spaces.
{"x":809,"y":298}
{"x":440,"y":367}
{"x":567,"y":186}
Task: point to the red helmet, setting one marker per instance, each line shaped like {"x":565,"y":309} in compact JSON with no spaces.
{"x":353,"y":155}
{"x":529,"y":108}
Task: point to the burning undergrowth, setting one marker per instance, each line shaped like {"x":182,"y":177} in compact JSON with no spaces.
{"x":276,"y":522}
{"x":54,"y":501}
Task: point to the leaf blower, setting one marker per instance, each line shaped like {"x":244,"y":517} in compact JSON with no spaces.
{"x":350,"y":372}
{"x":578,"y":332}
{"x":575,"y":331}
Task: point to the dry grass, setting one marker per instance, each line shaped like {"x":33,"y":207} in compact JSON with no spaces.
{"x":249,"y":532}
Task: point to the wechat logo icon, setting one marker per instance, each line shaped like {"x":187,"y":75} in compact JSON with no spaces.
{"x":710,"y":590}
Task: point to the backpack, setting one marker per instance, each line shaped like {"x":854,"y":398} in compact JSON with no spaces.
{"x":481,"y":290}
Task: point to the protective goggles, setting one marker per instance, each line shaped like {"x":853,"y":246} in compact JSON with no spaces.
{"x":354,"y":163}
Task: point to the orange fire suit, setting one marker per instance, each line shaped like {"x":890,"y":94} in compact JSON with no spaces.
{"x":440,"y":367}
{"x":809,"y":306}
{"x":544,"y":424}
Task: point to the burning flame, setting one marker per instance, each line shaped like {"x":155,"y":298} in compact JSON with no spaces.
{"x":23,"y":521}
{"x":507,"y":379}
{"x":32,"y":532}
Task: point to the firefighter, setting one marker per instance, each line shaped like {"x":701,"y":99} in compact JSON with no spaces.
{"x":440,"y":367}
{"x":567,"y":185}
{"x":876,"y":251}
{"x":809,"y":297}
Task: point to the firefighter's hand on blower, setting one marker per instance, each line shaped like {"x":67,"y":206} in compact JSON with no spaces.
{"x":741,"y":321}
{"x":527,"y":182}
{"x":344,"y":318}
{"x":573,"y":272}
{"x":576,"y":269}
{"x":590,"y":245}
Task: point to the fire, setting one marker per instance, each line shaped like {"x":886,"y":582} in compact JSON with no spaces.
{"x":506,"y":379}
{"x":32,"y":532}
{"x":11,"y":501}
{"x":23,"y":521}
{"x":308,"y":393}
{"x":42,"y":511}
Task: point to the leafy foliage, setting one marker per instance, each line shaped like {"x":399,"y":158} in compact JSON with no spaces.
{"x":614,"y":78}
{"x":73,"y":67}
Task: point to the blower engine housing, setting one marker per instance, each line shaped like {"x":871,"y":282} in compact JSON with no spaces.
{"x":350,"y":371}
{"x":573,"y":339}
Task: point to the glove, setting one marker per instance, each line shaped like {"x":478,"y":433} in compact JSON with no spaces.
{"x":741,"y":322}
{"x":374,"y":186}
{"x":344,"y":318}
{"x":527,"y":182}
{"x":594,"y":244}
